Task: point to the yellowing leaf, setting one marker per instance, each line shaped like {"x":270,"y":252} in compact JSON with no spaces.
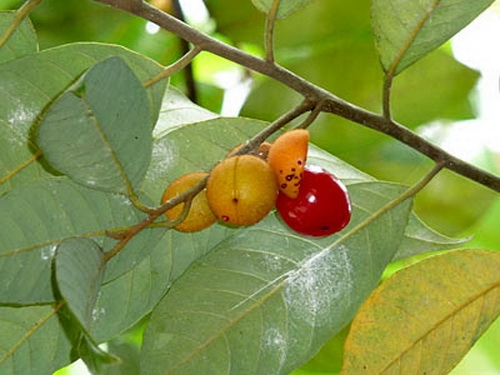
{"x":426,"y":317}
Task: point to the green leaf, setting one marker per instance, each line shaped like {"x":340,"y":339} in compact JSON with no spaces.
{"x":124,"y":300}
{"x":22,"y":41}
{"x":420,"y":238}
{"x":31,"y":83}
{"x":31,"y":341}
{"x":407,"y":30}
{"x":427,"y":316}
{"x":285,"y":7}
{"x":38,"y":217}
{"x":177,"y":111}
{"x":79,"y":270}
{"x":99,"y":133}
{"x":265,"y":300}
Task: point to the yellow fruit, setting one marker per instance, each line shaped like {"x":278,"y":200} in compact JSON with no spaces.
{"x":287,"y":157}
{"x":242,"y":190}
{"x":200,"y":215}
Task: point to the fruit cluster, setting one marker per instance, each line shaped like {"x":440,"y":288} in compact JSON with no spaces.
{"x":241,"y":190}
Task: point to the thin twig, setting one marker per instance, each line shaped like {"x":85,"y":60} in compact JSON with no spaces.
{"x":318,"y":108}
{"x":269,"y":32}
{"x":272,"y":128}
{"x":174,"y":68}
{"x":386,"y":96}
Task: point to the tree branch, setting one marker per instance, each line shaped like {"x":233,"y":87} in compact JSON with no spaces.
{"x":312,"y":93}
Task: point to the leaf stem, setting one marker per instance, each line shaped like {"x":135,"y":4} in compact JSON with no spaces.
{"x":269,"y":31}
{"x":175,"y":67}
{"x":409,"y":193}
{"x":21,"y":14}
{"x":386,"y":96}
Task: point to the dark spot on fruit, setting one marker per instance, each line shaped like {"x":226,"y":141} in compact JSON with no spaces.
{"x":283,"y":186}
{"x":289,"y":177}
{"x":299,"y":162}
{"x":293,"y":169}
{"x":225,"y":218}
{"x":325,"y":227}
{"x":281,"y":171}
{"x":235,"y":200}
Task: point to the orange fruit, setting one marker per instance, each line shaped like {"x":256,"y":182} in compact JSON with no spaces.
{"x":200,"y":215}
{"x":287,"y":157}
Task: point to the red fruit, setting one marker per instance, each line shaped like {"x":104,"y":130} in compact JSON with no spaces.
{"x":321,"y":208}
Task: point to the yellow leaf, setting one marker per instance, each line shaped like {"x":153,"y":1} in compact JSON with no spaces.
{"x":425,"y":318}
